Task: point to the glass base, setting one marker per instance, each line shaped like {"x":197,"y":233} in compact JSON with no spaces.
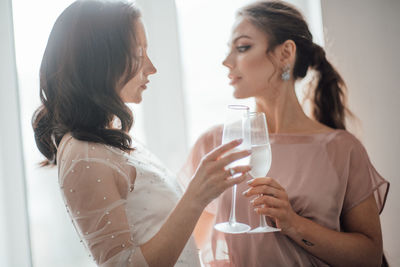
{"x":266,"y":229}
{"x":232,"y":228}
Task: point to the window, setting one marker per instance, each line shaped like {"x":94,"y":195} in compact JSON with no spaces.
{"x":204,"y":28}
{"x":53,"y":238}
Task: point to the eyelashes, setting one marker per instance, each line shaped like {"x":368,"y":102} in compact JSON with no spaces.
{"x":243,"y":48}
{"x":238,"y":49}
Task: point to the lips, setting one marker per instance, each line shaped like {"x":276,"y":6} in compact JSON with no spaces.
{"x":234,"y":79}
{"x":144,"y":86}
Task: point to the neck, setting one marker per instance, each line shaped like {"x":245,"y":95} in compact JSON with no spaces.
{"x":284,"y":112}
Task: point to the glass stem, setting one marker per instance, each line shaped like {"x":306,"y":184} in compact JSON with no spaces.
{"x":263,"y":222}
{"x":232,"y":217}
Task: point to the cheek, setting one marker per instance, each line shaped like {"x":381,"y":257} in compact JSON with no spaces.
{"x":131,"y":93}
{"x":256,"y":72}
{"x":257,"y":67}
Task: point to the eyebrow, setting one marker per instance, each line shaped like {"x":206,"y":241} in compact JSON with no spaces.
{"x":239,"y":37}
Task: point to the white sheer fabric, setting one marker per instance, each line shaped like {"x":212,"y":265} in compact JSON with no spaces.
{"x":117,"y":201}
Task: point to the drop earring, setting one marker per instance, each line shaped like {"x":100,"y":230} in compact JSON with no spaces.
{"x":286,"y":73}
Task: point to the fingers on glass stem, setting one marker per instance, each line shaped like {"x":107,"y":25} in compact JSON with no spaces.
{"x":238,"y":169}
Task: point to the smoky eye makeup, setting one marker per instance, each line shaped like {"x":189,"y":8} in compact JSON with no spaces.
{"x":242,"y":48}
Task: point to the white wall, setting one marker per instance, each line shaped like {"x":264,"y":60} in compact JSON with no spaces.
{"x":14,"y":237}
{"x":362,"y":39}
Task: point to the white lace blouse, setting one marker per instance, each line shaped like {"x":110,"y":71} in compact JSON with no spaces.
{"x":117,"y":201}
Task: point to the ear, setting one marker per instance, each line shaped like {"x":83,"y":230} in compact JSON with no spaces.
{"x":287,"y":53}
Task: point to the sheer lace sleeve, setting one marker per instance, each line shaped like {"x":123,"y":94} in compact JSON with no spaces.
{"x":95,"y":185}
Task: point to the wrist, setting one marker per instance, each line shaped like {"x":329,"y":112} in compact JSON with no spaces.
{"x":193,"y":201}
{"x":296,"y":226}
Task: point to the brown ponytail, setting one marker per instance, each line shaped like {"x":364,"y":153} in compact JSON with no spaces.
{"x":329,"y":96}
{"x":281,"y":21}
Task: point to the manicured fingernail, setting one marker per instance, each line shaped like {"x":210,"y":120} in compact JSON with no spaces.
{"x":239,"y":141}
{"x":245,"y":192}
{"x":250,"y":181}
{"x":256,"y":209}
{"x":252,"y":201}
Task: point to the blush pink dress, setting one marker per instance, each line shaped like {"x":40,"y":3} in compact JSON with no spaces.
{"x":325,"y":175}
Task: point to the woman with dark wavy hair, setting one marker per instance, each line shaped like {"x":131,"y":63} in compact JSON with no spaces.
{"x":126,"y":207}
{"x":322,"y":190}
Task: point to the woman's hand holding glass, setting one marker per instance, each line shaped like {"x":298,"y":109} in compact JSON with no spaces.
{"x":211,"y":177}
{"x":272,"y":201}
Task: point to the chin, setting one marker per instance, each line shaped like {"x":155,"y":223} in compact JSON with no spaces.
{"x":137,"y":101}
{"x":136,"y":98}
{"x":239,"y":95}
{"x":133,"y":100}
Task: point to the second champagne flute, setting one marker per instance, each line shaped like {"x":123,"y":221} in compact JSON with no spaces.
{"x":261,"y":158}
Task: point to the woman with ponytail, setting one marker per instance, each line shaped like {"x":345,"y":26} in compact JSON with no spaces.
{"x":127,"y":208}
{"x":321,"y":191}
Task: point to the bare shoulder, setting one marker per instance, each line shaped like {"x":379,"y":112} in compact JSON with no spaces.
{"x":214,"y":130}
{"x":212,"y":136}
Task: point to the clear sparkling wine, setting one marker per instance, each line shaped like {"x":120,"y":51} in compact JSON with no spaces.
{"x":260,"y":160}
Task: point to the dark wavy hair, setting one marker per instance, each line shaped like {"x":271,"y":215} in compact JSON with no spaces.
{"x":89,"y":54}
{"x":281,"y":21}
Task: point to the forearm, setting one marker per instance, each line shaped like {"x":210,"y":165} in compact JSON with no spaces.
{"x":203,"y":229}
{"x":166,"y":246}
{"x":335,"y":248}
{"x":209,"y":181}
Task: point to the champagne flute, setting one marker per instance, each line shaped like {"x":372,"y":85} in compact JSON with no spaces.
{"x":237,"y":125}
{"x":261,"y":158}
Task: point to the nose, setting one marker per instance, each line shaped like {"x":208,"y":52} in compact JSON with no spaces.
{"x":149,"y":68}
{"x":228,"y":62}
